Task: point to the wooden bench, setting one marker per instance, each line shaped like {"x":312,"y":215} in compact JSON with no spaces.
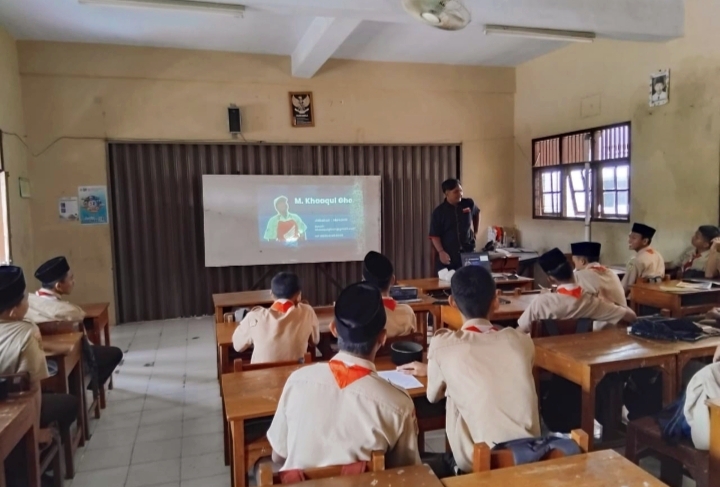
{"x":485,"y":459}
{"x":266,"y":476}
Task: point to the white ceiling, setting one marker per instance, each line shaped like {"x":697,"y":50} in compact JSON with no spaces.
{"x":311,"y":31}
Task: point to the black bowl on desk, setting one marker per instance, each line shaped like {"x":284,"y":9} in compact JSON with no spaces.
{"x":402,"y":353}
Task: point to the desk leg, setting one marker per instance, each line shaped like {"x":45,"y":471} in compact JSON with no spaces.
{"x":32,"y":457}
{"x":437,"y":322}
{"x":226,"y":434}
{"x":714,"y":470}
{"x":219,"y":314}
{"x":670,"y":375}
{"x":238,"y":453}
{"x":225,"y":365}
{"x":587,"y":421}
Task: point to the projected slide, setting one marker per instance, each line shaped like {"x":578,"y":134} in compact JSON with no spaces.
{"x":251,"y":220}
{"x":290,"y":215}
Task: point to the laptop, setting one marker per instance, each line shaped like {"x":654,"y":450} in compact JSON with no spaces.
{"x":476,"y":258}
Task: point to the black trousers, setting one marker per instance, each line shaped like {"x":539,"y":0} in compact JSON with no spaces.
{"x":107,"y":359}
{"x":58,"y":408}
{"x":442,"y":464}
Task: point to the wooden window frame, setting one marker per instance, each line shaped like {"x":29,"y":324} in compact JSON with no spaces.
{"x":564,"y":160}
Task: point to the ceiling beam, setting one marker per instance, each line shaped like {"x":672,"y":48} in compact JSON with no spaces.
{"x":319,"y":42}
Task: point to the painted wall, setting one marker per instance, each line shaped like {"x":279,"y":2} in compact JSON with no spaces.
{"x":675,"y":148}
{"x":86,"y":93}
{"x":15,"y":158}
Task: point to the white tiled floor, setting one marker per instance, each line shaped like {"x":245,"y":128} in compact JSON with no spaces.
{"x":162,"y":426}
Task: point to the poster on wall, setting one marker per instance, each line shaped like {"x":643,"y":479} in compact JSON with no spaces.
{"x":659,"y":88}
{"x":68,"y":209}
{"x":92,"y":202}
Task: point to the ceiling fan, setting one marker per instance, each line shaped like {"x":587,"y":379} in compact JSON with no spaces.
{"x":442,"y":14}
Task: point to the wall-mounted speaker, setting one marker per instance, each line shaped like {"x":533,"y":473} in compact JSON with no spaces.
{"x":234,"y":119}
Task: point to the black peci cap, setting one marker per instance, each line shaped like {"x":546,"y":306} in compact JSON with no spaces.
{"x":359,"y":313}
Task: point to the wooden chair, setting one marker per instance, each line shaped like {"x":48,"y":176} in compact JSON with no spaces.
{"x":543,"y":328}
{"x":63,"y":327}
{"x":646,"y":280}
{"x":485,"y":459}
{"x":645,"y":438}
{"x":267,"y":477}
{"x":49,"y":443}
{"x":240,"y":366}
{"x":714,"y":453}
{"x":259,"y":448}
{"x":50,"y":458}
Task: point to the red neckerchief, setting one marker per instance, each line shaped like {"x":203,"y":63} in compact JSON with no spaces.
{"x":599,"y":268}
{"x":390,"y":303}
{"x":649,"y":250}
{"x":575,"y":292}
{"x":478,"y":330}
{"x":347,"y":374}
{"x":46,"y":294}
{"x":282,"y":307}
{"x":687,"y":265}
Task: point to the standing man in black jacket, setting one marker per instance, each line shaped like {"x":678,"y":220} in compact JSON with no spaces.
{"x":454,"y":226}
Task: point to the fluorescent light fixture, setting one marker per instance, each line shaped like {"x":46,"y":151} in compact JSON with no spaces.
{"x":544,"y":34}
{"x":209,"y":7}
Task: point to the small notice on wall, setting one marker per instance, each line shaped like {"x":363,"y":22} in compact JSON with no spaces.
{"x":68,"y":209}
{"x":92,"y":202}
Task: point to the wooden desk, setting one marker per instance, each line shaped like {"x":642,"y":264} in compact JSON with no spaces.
{"x":586,"y":358}
{"x":97,"y":322}
{"x":433,"y":284}
{"x":18,"y":424}
{"x":599,"y":469}
{"x":687,"y":351}
{"x":255,"y":394}
{"x":678,"y":304}
{"x":69,"y":380}
{"x":225,"y":302}
{"x":450,"y":317}
{"x":418,"y":476}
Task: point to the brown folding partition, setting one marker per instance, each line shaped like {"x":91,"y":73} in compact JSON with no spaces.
{"x":157,"y":217}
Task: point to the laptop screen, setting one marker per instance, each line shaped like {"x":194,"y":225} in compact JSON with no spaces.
{"x":476,"y":258}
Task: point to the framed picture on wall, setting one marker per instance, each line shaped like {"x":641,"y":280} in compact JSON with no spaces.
{"x":301,"y":109}
{"x":659,"y":88}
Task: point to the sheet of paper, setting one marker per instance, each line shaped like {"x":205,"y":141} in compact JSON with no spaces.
{"x":399,"y":379}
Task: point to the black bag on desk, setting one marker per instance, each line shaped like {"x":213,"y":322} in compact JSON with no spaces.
{"x":668,"y":329}
{"x":528,"y":450}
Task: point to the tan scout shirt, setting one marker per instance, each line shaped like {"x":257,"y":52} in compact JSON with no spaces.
{"x":319,"y":424}
{"x":561,"y":306}
{"x":400,"y":318}
{"x":691,"y":260}
{"x":487,"y":379}
{"x":49,"y":306}
{"x":648,"y":263}
{"x":21,"y":350}
{"x":602,"y":282}
{"x":277,"y":336}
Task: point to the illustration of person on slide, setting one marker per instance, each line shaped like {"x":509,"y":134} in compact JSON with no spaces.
{"x":285,"y":226}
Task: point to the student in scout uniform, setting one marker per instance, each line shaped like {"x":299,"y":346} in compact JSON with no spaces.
{"x":593,"y":277}
{"x":483,"y":405}
{"x":378,"y":270}
{"x":47,"y":304}
{"x":282,"y":332}
{"x":570,"y":301}
{"x":338,"y":412}
{"x":700,"y":260}
{"x":21,"y":350}
{"x":648,"y":263}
